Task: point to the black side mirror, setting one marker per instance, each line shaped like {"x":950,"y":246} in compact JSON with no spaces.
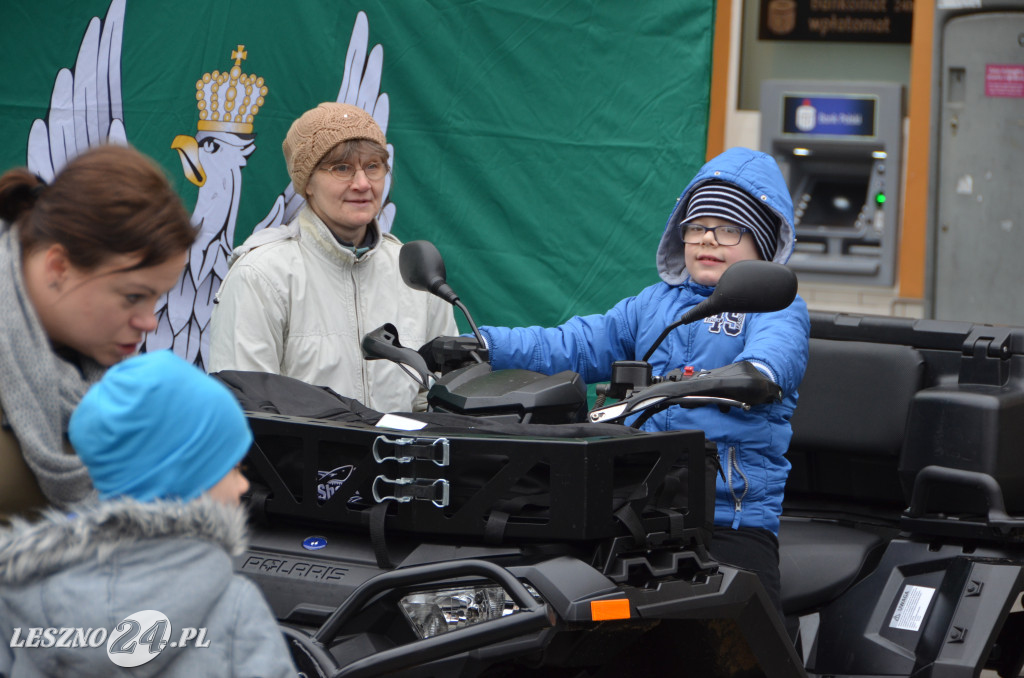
{"x":423,"y":269}
{"x":749,"y":286}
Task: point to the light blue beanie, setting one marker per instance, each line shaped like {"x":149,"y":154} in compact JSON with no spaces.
{"x":157,"y":427}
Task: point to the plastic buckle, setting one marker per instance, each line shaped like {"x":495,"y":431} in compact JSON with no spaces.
{"x":417,"y":448}
{"x":404,"y":490}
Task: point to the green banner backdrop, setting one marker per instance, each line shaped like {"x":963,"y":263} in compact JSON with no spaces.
{"x":540,"y":144}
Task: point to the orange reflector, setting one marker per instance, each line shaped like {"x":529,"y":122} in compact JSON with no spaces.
{"x":602,"y":610}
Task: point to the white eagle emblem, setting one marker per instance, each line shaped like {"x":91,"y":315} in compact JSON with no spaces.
{"x":85,"y":111}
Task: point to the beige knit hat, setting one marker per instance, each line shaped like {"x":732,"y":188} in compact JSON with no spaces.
{"x":319,"y":130}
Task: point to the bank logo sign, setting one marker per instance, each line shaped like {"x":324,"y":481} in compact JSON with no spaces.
{"x":839,"y":115}
{"x":134,"y":641}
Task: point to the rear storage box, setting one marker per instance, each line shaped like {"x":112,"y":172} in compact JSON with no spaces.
{"x":495,"y":487}
{"x":977,"y":428}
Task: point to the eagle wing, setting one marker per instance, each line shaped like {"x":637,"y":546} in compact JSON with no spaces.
{"x":360,"y":86}
{"x":85,"y":106}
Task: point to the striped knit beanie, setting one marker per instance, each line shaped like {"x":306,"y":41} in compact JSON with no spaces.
{"x":734,"y":205}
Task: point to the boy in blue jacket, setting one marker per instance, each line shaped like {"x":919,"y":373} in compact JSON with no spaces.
{"x":737,"y":207}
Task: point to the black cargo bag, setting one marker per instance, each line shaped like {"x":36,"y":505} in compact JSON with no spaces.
{"x":466,"y":476}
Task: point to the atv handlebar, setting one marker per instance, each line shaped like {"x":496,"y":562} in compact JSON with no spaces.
{"x":738,"y":385}
{"x":444,"y":354}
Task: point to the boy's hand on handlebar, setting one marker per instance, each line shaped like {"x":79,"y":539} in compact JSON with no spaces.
{"x":444,"y":354}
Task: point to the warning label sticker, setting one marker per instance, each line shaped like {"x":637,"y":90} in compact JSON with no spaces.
{"x":1004,"y":80}
{"x":912,"y":607}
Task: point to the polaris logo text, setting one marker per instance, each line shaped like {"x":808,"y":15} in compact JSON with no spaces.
{"x":136,"y":640}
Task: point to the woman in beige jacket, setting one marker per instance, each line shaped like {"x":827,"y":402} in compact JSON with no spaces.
{"x":298,"y":299}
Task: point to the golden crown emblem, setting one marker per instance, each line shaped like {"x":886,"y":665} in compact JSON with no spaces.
{"x":228,"y":102}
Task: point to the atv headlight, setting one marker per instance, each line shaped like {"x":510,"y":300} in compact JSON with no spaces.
{"x":434,"y":612}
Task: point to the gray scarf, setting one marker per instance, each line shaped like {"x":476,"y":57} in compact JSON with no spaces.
{"x":38,"y":388}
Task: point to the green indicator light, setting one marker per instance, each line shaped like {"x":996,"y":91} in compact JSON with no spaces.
{"x":880,"y":198}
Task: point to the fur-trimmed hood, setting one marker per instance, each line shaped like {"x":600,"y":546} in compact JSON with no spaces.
{"x":31,"y":550}
{"x":89,"y":572}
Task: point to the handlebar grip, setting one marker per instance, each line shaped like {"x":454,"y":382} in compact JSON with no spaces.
{"x":736,"y":385}
{"x":444,"y":354}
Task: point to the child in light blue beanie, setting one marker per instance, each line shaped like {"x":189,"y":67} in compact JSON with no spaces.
{"x":156,"y":427}
{"x":162,"y":442}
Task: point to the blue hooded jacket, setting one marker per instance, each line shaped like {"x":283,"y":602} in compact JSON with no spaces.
{"x":751,"y":444}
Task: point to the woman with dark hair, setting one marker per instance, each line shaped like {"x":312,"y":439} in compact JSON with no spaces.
{"x":83,"y":261}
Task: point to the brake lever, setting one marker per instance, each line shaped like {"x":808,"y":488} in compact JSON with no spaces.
{"x":741,"y":380}
{"x":653,"y":404}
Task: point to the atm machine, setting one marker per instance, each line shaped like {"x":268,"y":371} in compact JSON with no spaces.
{"x":839,"y":145}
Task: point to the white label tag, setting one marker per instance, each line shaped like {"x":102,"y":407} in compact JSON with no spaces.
{"x":399,"y":423}
{"x":912,"y":607}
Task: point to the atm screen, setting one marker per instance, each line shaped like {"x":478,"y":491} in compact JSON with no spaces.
{"x":835,"y":201}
